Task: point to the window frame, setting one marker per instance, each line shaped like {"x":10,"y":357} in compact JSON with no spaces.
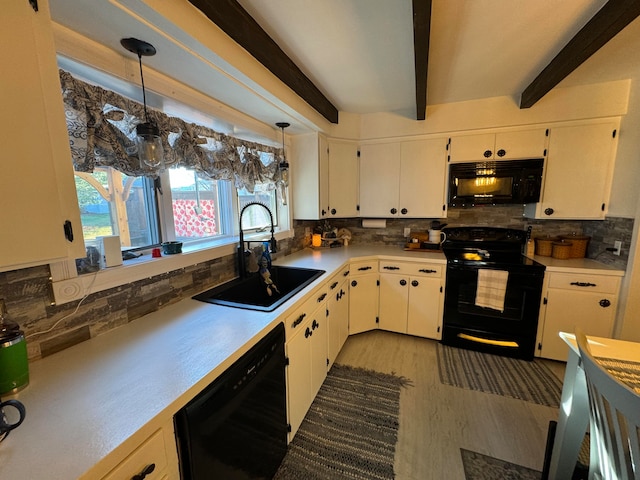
{"x":68,"y":285}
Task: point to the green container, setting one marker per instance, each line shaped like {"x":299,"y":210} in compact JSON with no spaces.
{"x":14,"y":367}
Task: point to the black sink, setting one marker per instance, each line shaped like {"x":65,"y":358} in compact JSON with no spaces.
{"x":251,"y":293}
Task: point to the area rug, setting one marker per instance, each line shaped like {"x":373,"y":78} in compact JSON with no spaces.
{"x":483,"y":467}
{"x":509,"y":377}
{"x":350,"y":431}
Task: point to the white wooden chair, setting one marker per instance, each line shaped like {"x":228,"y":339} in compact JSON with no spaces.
{"x":614,"y":421}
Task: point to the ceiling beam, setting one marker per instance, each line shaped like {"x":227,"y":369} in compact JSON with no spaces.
{"x":421,"y":30}
{"x":606,"y":24}
{"x":236,"y":22}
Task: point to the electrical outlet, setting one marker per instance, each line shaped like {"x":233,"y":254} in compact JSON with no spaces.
{"x":407,"y":231}
{"x":617,"y":245}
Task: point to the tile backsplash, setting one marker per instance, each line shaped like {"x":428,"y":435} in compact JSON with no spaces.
{"x":27,"y":291}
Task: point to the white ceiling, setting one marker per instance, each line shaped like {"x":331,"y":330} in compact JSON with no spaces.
{"x":359,"y":53}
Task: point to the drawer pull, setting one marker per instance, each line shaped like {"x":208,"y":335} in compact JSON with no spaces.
{"x":314,"y":325}
{"x":354,"y":283}
{"x":427,"y":270}
{"x":333,"y":285}
{"x":145,"y":471}
{"x":583,"y":284}
{"x":298,"y":320}
{"x":308,"y":333}
{"x":345,"y":273}
{"x":604,"y":303}
{"x":322,"y":297}
{"x":390,"y":267}
{"x":364,"y":268}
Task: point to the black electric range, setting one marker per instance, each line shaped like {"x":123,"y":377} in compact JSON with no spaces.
{"x":507,"y":325}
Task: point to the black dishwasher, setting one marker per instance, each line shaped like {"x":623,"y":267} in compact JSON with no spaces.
{"x":236,"y":428}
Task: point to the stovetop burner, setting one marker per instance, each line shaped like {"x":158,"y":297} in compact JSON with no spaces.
{"x":486,"y":246}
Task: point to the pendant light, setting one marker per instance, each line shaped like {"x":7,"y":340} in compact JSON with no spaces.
{"x":283,"y":169}
{"x":148,"y":139}
{"x":283,"y":166}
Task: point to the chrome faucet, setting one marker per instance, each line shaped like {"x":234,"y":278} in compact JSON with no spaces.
{"x":242,"y":252}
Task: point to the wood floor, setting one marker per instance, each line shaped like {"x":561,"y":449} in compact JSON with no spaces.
{"x":437,"y":420}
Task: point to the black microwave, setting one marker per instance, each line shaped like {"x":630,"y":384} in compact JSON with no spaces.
{"x":504,"y":181}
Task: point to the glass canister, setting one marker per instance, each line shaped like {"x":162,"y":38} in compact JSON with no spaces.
{"x":14,"y":366}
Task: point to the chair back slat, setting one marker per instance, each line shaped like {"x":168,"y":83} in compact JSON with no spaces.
{"x":614,"y":421}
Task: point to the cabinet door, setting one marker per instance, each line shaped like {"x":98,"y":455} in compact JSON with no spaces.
{"x":337,"y":318}
{"x":469,"y":148}
{"x":394,"y":300}
{"x":521,"y":144}
{"x":299,"y":381}
{"x":423,"y":177}
{"x":379,"y":180}
{"x":499,"y":146}
{"x":424,"y":316}
{"x":310,"y":176}
{"x":363,"y":303}
{"x":566,"y":310}
{"x":578,"y":172}
{"x":343,"y":180}
{"x":37,"y":189}
{"x":319,"y":342}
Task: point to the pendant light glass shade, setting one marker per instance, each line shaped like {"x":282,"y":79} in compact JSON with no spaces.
{"x":148,"y":141}
{"x":149,"y":144}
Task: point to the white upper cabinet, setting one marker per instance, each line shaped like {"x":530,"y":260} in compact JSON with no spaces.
{"x":343,"y":179}
{"x":508,"y":145}
{"x":379,"y":180}
{"x":578,"y":171}
{"x":325,"y":177}
{"x":403,"y":179}
{"x":37,"y":189}
{"x":310,"y":176}
{"x":423,"y":177}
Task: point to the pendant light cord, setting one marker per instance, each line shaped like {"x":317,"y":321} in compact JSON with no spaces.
{"x":144,"y":94}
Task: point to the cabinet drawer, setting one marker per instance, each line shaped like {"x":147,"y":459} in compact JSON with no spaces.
{"x":359,"y":268}
{"x":411,"y":268}
{"x":337,"y":278}
{"x":585,"y":282}
{"x":151,"y":452}
{"x":303,"y":312}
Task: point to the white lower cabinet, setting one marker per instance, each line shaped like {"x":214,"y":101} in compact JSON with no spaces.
{"x":411,"y":301}
{"x":571,"y":300}
{"x":306,"y":349}
{"x":363,"y":296}
{"x":154,"y":459}
{"x":337,"y":313}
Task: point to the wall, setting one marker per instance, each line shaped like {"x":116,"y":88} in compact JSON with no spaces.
{"x":27,"y":294}
{"x":28,"y":298}
{"x":602,"y":233}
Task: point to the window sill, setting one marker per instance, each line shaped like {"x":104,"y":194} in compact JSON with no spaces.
{"x":75,"y":288}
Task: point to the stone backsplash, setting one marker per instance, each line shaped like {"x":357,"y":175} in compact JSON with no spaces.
{"x":27,"y":293}
{"x":602,"y":232}
{"x":51,"y":328}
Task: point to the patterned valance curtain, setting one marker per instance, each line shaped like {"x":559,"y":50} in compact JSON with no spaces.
{"x":102,"y":131}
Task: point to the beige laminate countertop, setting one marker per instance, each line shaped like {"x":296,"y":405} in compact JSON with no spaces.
{"x":578,"y":265}
{"x":90,"y":405}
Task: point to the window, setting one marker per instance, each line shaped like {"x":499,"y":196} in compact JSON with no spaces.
{"x":181,"y":204}
{"x":112,"y":203}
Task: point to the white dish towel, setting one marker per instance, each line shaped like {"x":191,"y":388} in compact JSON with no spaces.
{"x":492,"y":287}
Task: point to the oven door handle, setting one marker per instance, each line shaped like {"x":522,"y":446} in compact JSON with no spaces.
{"x":489,"y":341}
